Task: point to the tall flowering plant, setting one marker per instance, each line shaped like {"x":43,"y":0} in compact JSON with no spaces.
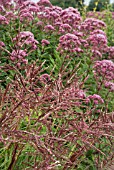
{"x":56,"y":88}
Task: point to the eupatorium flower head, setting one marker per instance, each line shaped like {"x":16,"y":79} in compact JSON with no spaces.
{"x":69,"y":43}
{"x":26,"y":34}
{"x":27,"y":38}
{"x":49,"y":28}
{"x":70,"y":16}
{"x":26,"y":16}
{"x":18,"y":56}
{"x":104,"y":68}
{"x":95,"y":98}
{"x":3,"y":20}
{"x":10,"y":16}
{"x":109,"y":85}
{"x":98,"y":40}
{"x":44,"y":2}
{"x":111,"y":52}
{"x":45,"y":42}
{"x":65,"y":28}
{"x":91,"y":24}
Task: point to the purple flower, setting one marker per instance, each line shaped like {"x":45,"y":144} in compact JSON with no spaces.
{"x":53,"y":14}
{"x":2,"y":44}
{"x":96,"y":54}
{"x":111,"y":52}
{"x":1,"y":9}
{"x":81,"y":94}
{"x":109,"y":85}
{"x":26,"y":34}
{"x":23,"y":11}
{"x":34,"y":9}
{"x":44,"y":2}
{"x":26,"y":16}
{"x":27,"y":38}
{"x":97,"y":40}
{"x":91,"y":24}
{"x":104,"y":68}
{"x":95,"y":98}
{"x":39,"y":23}
{"x":65,"y":28}
{"x":48,"y":28}
{"x":5,"y":2}
{"x":19,"y":57}
{"x":98,"y":31}
{"x":69,"y":43}
{"x":3,"y":20}
{"x":19,"y":54}
{"x":10,"y":16}
{"x":45,"y":42}
{"x":71,"y":16}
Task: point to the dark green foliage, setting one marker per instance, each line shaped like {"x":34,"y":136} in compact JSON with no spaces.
{"x":98,"y":5}
{"x":112,"y":5}
{"x":68,"y":3}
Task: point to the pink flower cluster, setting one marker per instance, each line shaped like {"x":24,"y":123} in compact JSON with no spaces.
{"x":39,"y":24}
{"x":45,"y":42}
{"x":27,"y":10}
{"x":25,"y":34}
{"x":26,"y":38}
{"x":49,"y":28}
{"x":44,"y":3}
{"x":2,"y":9}
{"x":18,"y":56}
{"x":10,"y":16}
{"x":69,"y":43}
{"x":73,"y":93}
{"x":96,"y":54}
{"x":104,"y":68}
{"x":21,"y":4}
{"x":111,"y":52}
{"x":98,"y":40}
{"x":95,"y":98}
{"x":3,"y":20}
{"x":62,"y":20}
{"x":5,"y":3}
{"x":91,"y":24}
{"x":51,"y":15}
{"x":64,"y":28}
{"x":26,"y":15}
{"x":109,"y":85}
{"x":71,"y":16}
